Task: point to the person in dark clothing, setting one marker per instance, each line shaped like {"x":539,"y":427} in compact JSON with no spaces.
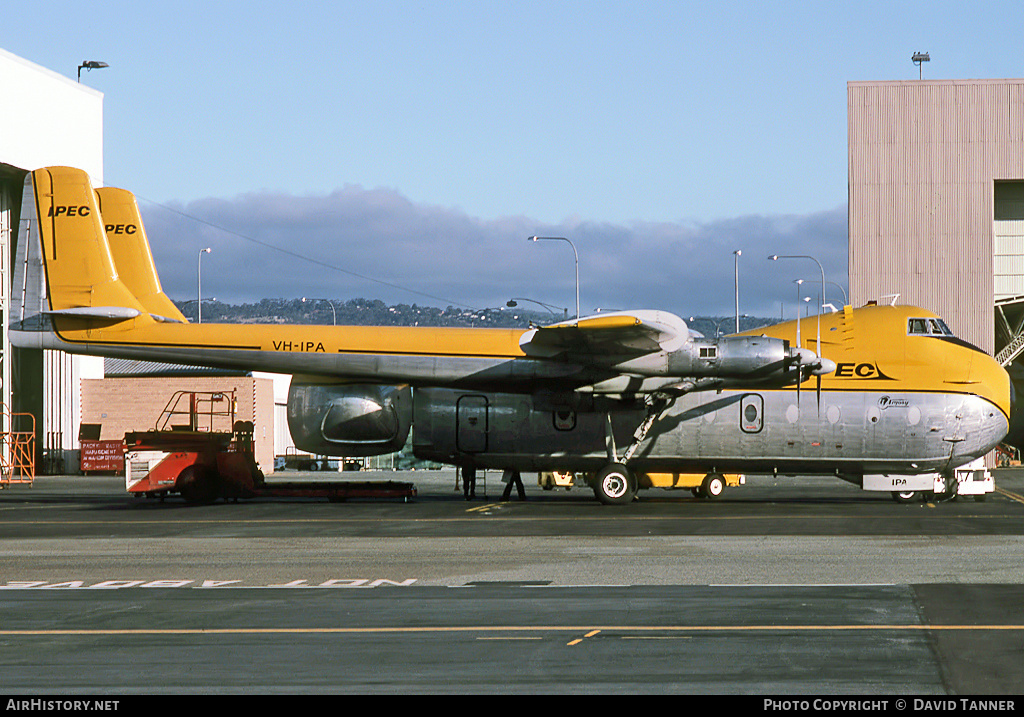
{"x":513,"y":478}
{"x":469,"y":482}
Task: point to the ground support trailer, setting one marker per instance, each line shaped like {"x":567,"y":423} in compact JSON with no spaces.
{"x":203,"y":467}
{"x":701,"y":485}
{"x":202,"y":464}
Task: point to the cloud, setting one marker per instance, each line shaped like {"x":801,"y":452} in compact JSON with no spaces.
{"x":376,"y":243}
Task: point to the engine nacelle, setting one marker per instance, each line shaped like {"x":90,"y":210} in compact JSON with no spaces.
{"x":349,"y":419}
{"x":730,"y":356}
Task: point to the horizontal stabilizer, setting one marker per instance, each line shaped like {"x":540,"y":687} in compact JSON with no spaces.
{"x":97,"y":312}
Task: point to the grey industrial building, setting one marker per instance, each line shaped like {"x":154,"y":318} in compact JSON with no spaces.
{"x":936,"y":203}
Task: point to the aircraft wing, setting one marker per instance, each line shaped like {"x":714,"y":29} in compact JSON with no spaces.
{"x":607,"y":338}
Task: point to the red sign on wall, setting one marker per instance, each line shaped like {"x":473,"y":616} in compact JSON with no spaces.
{"x":106,"y":456}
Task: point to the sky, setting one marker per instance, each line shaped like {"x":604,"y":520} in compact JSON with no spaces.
{"x":406,"y":150}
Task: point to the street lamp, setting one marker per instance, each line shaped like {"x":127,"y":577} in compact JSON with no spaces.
{"x":776,"y":257}
{"x":199,"y":283}
{"x":737,"y":285}
{"x":798,"y":282}
{"x":333,"y":312}
{"x":576,"y":255}
{"x":838,"y":286}
{"x":90,"y":65}
{"x":511,"y":303}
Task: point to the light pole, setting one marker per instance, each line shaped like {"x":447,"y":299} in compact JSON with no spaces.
{"x":776,"y":257}
{"x":737,"y":285}
{"x":333,"y":312}
{"x":511,"y":303}
{"x":917,"y":59}
{"x":199,"y":283}
{"x":576,"y":255}
{"x":798,"y":282}
{"x":838,"y":286}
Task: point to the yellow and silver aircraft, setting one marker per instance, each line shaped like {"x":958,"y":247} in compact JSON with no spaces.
{"x":886,"y":393}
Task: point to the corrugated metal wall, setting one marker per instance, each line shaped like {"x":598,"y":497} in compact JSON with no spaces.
{"x":923,"y":160}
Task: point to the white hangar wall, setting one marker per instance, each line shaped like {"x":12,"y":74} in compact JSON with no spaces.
{"x":48,"y":119}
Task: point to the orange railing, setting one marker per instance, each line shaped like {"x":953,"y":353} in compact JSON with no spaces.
{"x":17,"y":448}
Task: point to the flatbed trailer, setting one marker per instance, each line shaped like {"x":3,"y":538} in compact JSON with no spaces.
{"x":201,"y":462}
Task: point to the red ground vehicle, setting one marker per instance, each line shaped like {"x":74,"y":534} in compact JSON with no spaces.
{"x":199,"y":450}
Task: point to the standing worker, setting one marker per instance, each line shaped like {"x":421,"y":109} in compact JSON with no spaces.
{"x":511,"y":477}
{"x":469,"y":482}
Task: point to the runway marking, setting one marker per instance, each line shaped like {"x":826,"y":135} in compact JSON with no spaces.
{"x":591,"y":631}
{"x":581,"y":639}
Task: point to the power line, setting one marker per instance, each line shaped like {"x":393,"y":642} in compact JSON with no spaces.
{"x":303,"y":257}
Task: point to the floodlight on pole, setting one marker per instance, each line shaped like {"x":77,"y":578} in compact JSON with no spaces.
{"x":576,"y":255}
{"x":918,"y":59}
{"x":90,"y":65}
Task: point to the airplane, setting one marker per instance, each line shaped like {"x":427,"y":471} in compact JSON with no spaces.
{"x":882,"y":391}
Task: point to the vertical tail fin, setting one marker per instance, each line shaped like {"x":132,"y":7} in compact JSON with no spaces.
{"x":133,"y":259}
{"x":64,"y":269}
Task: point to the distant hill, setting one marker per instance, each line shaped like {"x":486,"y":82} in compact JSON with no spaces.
{"x":374,"y":312}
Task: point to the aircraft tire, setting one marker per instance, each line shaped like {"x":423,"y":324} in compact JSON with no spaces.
{"x":615,"y":485}
{"x":713,"y":486}
{"x":907,"y":496}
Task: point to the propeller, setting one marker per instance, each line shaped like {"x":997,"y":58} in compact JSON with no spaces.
{"x":814,"y":365}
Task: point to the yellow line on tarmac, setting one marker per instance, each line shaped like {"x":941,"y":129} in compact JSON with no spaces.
{"x":590,"y":630}
{"x":1010,"y":494}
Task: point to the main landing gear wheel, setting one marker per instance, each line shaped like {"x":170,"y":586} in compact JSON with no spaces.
{"x":713,"y":486}
{"x":615,"y":485}
{"x":906,"y":496}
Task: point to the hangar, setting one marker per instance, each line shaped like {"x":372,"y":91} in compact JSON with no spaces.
{"x":59,"y":121}
{"x":936,"y":203}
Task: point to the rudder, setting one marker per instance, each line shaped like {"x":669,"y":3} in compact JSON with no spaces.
{"x":133,"y":258}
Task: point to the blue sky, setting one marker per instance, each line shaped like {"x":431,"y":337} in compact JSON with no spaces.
{"x":419,"y":143}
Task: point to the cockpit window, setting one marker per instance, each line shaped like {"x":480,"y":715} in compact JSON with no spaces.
{"x":928,"y":327}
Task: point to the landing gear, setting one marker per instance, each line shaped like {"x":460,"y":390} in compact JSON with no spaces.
{"x":713,"y":486}
{"x":906,"y":496}
{"x":615,"y":485}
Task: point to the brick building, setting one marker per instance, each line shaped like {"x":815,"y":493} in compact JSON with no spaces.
{"x":128,"y":401}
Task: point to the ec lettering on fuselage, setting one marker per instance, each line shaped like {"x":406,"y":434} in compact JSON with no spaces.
{"x":862,"y":371}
